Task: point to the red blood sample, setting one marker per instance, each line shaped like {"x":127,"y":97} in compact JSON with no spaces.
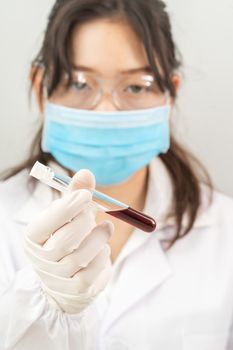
{"x":135,"y":218}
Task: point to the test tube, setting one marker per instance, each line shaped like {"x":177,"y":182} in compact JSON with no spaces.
{"x":104,"y":203}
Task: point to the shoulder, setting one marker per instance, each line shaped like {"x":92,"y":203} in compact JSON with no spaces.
{"x":14,"y":191}
{"x":222,"y":208}
{"x":216,"y":204}
{"x":222,"y":213}
{"x":217,"y":218}
{"x":209,"y":243}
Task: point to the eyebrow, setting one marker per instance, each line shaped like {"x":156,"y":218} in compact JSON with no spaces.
{"x":127,"y":71}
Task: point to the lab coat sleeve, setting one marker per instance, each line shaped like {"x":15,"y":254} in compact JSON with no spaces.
{"x":28,"y":321}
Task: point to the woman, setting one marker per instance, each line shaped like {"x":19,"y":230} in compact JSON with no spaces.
{"x":106,"y":80}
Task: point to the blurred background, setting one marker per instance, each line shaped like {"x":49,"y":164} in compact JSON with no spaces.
{"x":203,"y":31}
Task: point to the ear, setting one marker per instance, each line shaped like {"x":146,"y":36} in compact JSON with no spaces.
{"x":176,"y":80}
{"x":36,"y":77}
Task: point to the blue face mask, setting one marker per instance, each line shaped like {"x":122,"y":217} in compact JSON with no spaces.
{"x":113,"y":145}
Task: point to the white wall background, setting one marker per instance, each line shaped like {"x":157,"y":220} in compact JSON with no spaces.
{"x":203,"y":31}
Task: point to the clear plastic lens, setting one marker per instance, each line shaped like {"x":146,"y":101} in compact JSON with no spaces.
{"x":134,"y":91}
{"x":138,"y":92}
{"x":82,"y":92}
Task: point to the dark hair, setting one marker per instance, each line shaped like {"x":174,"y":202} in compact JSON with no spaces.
{"x":150,"y":21}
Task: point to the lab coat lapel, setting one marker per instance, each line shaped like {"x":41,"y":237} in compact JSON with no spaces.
{"x":147,"y":268}
{"x":141,"y":272}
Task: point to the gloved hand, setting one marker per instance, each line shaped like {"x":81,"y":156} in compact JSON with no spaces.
{"x":68,"y":250}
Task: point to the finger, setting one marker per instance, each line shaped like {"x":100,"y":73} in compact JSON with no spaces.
{"x":83,"y":179}
{"x":66,"y":239}
{"x":74,"y":262}
{"x":69,"y":237}
{"x":87,"y":276}
{"x":88,"y":249}
{"x":84,"y":279}
{"x":102,"y":280}
{"x":60,"y":212}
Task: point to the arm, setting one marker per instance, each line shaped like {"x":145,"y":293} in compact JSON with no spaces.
{"x":51,"y":303}
{"x":28,"y":321}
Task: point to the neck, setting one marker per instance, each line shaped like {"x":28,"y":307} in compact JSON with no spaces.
{"x":131,"y":192}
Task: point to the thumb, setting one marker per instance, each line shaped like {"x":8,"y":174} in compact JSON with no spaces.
{"x":83,"y":179}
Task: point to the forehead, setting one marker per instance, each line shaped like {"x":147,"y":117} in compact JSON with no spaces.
{"x":107,"y":47}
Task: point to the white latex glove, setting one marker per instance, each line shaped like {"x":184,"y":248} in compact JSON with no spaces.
{"x":68,"y":250}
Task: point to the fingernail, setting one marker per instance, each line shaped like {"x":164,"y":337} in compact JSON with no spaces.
{"x":83,"y":179}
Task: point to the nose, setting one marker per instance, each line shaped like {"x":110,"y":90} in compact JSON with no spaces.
{"x":106,"y":104}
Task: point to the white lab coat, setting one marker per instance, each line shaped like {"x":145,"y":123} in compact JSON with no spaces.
{"x":180,"y":299}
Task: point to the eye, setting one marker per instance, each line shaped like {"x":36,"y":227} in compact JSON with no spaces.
{"x":135,"y":89}
{"x":80,"y":86}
